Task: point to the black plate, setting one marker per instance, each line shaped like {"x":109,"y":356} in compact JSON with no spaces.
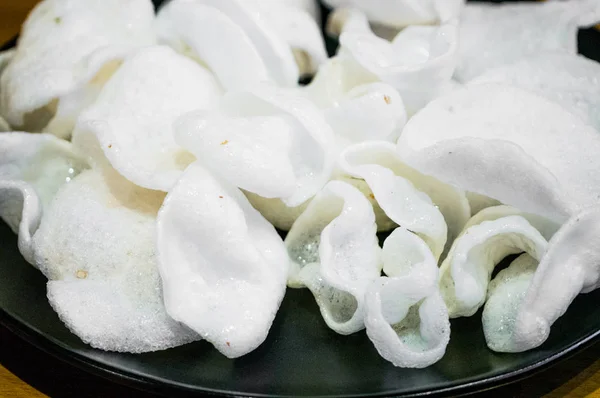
{"x":301,"y":355}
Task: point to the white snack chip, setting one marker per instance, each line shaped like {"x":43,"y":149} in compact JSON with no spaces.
{"x":486,"y":138}
{"x":251,"y":153}
{"x":356,"y":105}
{"x":223,"y":266}
{"x":401,"y":13}
{"x":420,"y":203}
{"x":71,"y":105}
{"x":96,"y":245}
{"x":267,"y":140}
{"x":420,"y":338}
{"x":405,"y":254}
{"x":334,"y":252}
{"x":260,"y":38}
{"x":298,"y":28}
{"x":405,"y":317}
{"x":545,"y":227}
{"x":191,"y":28}
{"x":567,"y":79}
{"x":62,"y":46}
{"x":496,"y":34}
{"x":334,"y":79}
{"x":419,"y":62}
{"x":133,"y":116}
{"x":524,"y":304}
{"x":466,"y":271}
{"x":32,"y":169}
{"x":275,"y":211}
{"x":273,"y":50}
{"x":384,"y":223}
{"x":504,"y":297}
{"x":372,"y":111}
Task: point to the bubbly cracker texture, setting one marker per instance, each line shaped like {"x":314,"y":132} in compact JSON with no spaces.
{"x":32,"y":169}
{"x":466,"y":271}
{"x":485,"y":138}
{"x":345,"y":255}
{"x":405,"y":317}
{"x":419,"y":62}
{"x":398,"y":187}
{"x":569,"y":80}
{"x":495,"y":34}
{"x":267,"y":39}
{"x":190,"y":27}
{"x":103,"y":279}
{"x":63,"y":44}
{"x":547,"y":228}
{"x":367,"y":112}
{"x":355,"y":105}
{"x":223,"y":266}
{"x":276,"y":55}
{"x":133,"y":116}
{"x":404,"y":204}
{"x":521,"y":320}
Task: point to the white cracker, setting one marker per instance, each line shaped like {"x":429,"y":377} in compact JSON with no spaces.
{"x":423,"y":204}
{"x":356,"y":105}
{"x":191,"y":28}
{"x":32,"y":169}
{"x":62,"y":46}
{"x":522,"y":309}
{"x":298,"y":28}
{"x":273,"y":49}
{"x":334,"y":252}
{"x":275,"y":211}
{"x":258,"y":36}
{"x":510,"y":145}
{"x":133,"y":116}
{"x":419,"y":62}
{"x":496,"y":34}
{"x":96,"y":245}
{"x":405,"y":317}
{"x":567,"y":79}
{"x":545,"y":227}
{"x":223,"y":266}
{"x":466,"y":271}
{"x":267,"y":140}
